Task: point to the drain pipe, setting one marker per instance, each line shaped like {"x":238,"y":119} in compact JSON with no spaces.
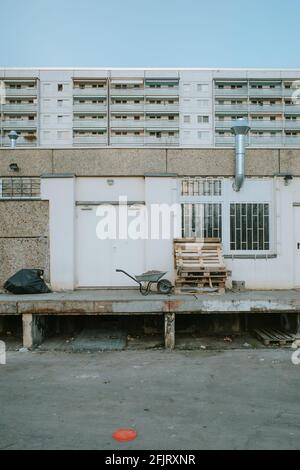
{"x":13,"y":137}
{"x":240,"y":130}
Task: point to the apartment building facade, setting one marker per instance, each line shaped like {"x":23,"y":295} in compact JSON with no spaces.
{"x":186,"y":108}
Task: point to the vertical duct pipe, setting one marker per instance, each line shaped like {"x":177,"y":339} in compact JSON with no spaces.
{"x":240,"y":130}
{"x":13,"y":136}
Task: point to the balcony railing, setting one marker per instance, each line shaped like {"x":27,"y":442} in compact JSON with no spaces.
{"x":292,"y":109}
{"x":162,"y":124}
{"x":231,"y":108}
{"x":254,"y":124}
{"x":121,"y":108}
{"x":86,"y":107}
{"x":21,"y":142}
{"x":27,"y":91}
{"x":127,"y":123}
{"x":19,"y":107}
{"x":129,"y":140}
{"x":90,"y":140}
{"x":266,"y":108}
{"x":268,"y":92}
{"x":19,"y":124}
{"x":90,"y":91}
{"x":162,"y":141}
{"x":162,"y":107}
{"x":231,"y":92}
{"x":127,"y":92}
{"x":174,"y":91}
{"x":89,"y":123}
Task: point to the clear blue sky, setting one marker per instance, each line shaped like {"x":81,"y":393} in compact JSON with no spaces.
{"x":150,"y":33}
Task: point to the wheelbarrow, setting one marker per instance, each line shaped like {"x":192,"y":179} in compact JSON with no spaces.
{"x":146,"y":280}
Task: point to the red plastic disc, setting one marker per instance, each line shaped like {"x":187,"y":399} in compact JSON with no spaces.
{"x":125,"y":435}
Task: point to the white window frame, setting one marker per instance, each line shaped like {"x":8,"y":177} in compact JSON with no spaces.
{"x":226,"y":199}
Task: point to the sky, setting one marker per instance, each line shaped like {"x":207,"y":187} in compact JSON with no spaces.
{"x":150,"y":33}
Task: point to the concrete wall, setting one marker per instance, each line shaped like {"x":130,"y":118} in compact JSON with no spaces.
{"x":137,"y":162}
{"x":23,"y":237}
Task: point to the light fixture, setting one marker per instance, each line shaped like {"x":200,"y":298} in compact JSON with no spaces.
{"x":110,"y":182}
{"x":287,"y":177}
{"x":14,"y":167}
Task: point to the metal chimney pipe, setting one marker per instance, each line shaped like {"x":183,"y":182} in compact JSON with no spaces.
{"x":13,"y":136}
{"x":240,"y":130}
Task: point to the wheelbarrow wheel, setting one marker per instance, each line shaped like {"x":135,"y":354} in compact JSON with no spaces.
{"x":164,"y":286}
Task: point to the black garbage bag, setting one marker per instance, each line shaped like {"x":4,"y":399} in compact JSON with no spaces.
{"x":27,"y":281}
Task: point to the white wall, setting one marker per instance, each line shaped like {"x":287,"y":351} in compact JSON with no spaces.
{"x":60,"y":192}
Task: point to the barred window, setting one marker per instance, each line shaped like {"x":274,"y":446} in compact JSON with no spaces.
{"x":249,"y":227}
{"x":20,"y":188}
{"x":202,"y":220}
{"x":201,"y":187}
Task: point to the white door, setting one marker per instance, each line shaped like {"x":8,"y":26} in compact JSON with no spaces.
{"x":297,"y":245}
{"x":97,"y":260}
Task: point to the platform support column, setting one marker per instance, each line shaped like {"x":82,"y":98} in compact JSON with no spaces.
{"x":170,"y":331}
{"x":33,"y":330}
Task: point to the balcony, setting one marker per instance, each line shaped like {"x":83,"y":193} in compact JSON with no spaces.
{"x":127,"y":123}
{"x":231,"y":108}
{"x":90,"y":92}
{"x":19,"y":107}
{"x":90,"y":123}
{"x":127,"y":92}
{"x":292,"y":125}
{"x":292,"y":109}
{"x":121,"y":108}
{"x":19,"y":124}
{"x":266,"y":108}
{"x":129,"y":140}
{"x":26,"y":91}
{"x":266,"y":92}
{"x":162,"y":124}
{"x":225,"y":141}
{"x":162,"y":108}
{"x":255,"y":124}
{"x":162,"y":141}
{"x":173,"y":91}
{"x":219,"y":92}
{"x":90,"y":140}
{"x":21,"y":142}
{"x":89,"y":107}
{"x":292,"y":141}
{"x":268,"y":141}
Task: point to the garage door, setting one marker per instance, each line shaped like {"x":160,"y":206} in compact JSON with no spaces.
{"x":97,"y":260}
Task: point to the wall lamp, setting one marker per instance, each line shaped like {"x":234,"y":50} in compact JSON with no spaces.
{"x":14,"y":167}
{"x":287,"y":177}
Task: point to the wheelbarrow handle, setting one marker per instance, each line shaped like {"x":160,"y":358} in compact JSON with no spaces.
{"x":128,"y":275}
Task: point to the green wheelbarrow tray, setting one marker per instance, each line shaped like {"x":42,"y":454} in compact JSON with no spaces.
{"x":147,"y":279}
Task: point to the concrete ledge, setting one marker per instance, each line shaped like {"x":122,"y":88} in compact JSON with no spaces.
{"x":132,"y":303}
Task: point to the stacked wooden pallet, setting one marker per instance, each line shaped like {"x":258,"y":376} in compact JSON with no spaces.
{"x":199,"y":265}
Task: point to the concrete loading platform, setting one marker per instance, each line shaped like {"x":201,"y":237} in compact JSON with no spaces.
{"x":34,"y":311}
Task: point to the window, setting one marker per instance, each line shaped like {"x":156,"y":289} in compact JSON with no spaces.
{"x":249,"y":227}
{"x":187,"y":119}
{"x":201,"y":187}
{"x":203,"y":103}
{"x":60,"y":87}
{"x":19,"y":188}
{"x":202,"y":220}
{"x":202,"y":135}
{"x":203,"y":119}
{"x":202,"y":87}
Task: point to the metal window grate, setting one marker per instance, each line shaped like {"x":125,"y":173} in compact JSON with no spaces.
{"x":20,"y":188}
{"x":249,"y":227}
{"x":202,"y":220}
{"x":201,"y":187}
